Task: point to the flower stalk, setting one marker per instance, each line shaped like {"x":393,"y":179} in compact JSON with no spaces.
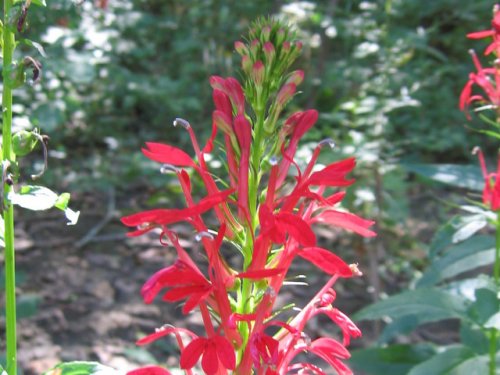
{"x":8,"y":210}
{"x":263,"y":214}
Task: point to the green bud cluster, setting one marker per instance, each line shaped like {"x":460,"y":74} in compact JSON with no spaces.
{"x":267,"y":54}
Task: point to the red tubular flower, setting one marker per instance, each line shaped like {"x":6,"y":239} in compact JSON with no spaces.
{"x":243,"y":130}
{"x":345,"y":220}
{"x":167,"y":154}
{"x":184,"y":282}
{"x":215,"y":351}
{"x":332,"y":352}
{"x":264,"y":350}
{"x":491,"y":190}
{"x":493,"y":32}
{"x":148,"y":219}
{"x":326,"y":261}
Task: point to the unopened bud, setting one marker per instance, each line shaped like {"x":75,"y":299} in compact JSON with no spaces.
{"x":241,"y":48}
{"x":222,"y":121}
{"x":266,"y":33}
{"x":269,"y":52}
{"x":254,"y":47}
{"x":280,"y":36}
{"x":184,"y":123}
{"x":285,"y":94}
{"x":258,"y":73}
{"x":296,"y":77}
{"x":246,"y":64}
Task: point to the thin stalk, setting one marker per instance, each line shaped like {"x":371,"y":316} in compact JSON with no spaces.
{"x":8,"y":214}
{"x":496,"y":277}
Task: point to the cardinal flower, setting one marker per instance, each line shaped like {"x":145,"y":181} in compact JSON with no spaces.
{"x":494,"y":32}
{"x":215,"y":352}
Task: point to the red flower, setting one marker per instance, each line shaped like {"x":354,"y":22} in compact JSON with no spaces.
{"x":491,"y":191}
{"x":184,"y":282}
{"x":214,"y":352}
{"x":149,"y":370}
{"x":493,"y":32}
{"x":263,"y":349}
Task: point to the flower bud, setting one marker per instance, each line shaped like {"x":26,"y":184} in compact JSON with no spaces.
{"x":222,"y":102}
{"x":280,"y":36}
{"x":246,"y":64}
{"x":285,"y":94}
{"x":258,"y":73}
{"x":265,"y":33}
{"x":217,"y":82}
{"x":222,"y":121}
{"x":241,"y":48}
{"x":254,"y":47}
{"x":269,"y":52}
{"x":296,"y":77}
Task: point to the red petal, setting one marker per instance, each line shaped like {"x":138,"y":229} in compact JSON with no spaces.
{"x":326,"y":261}
{"x":210,"y":362}
{"x":149,"y":370}
{"x":333,"y":174}
{"x":296,"y":227}
{"x":347,"y":221}
{"x":225,"y":352}
{"x":243,"y":130}
{"x":330,"y":346}
{"x":192,"y":352}
{"x":481,"y":34}
{"x":176,"y":294}
{"x":260,"y":274}
{"x":156,"y":335}
{"x":167,"y":154}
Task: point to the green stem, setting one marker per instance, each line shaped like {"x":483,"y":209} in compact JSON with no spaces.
{"x":8,"y":214}
{"x":496,"y":277}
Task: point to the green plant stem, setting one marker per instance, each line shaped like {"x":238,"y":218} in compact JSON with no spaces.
{"x":496,"y":277}
{"x":8,"y":214}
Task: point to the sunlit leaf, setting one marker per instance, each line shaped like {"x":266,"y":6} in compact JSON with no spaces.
{"x":34,"y":198}
{"x":464,"y":176}
{"x":455,"y":360}
{"x":477,"y":251}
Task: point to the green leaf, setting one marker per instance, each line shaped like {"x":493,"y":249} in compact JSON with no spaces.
{"x":468,"y":255}
{"x":26,"y":305}
{"x":36,"y":198}
{"x":474,"y":338}
{"x":39,"y":198}
{"x":81,"y":368}
{"x":2,"y":371}
{"x":40,"y":3}
{"x":450,"y":361}
{"x":493,"y":322}
{"x":392,"y":360}
{"x":425,"y":304}
{"x":485,"y":306}
{"x":464,"y":176}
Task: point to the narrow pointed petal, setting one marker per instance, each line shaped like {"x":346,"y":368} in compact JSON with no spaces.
{"x":167,"y":154}
{"x":347,"y":221}
{"x":326,"y":261}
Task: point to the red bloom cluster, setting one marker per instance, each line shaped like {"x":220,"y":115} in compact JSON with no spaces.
{"x":263,"y":216}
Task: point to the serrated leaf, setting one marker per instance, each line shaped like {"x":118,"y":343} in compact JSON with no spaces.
{"x":468,"y":255}
{"x":81,"y":368}
{"x":464,"y":176}
{"x":36,"y":198}
{"x":445,"y":362}
{"x":392,"y":360}
{"x":425,"y":304}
